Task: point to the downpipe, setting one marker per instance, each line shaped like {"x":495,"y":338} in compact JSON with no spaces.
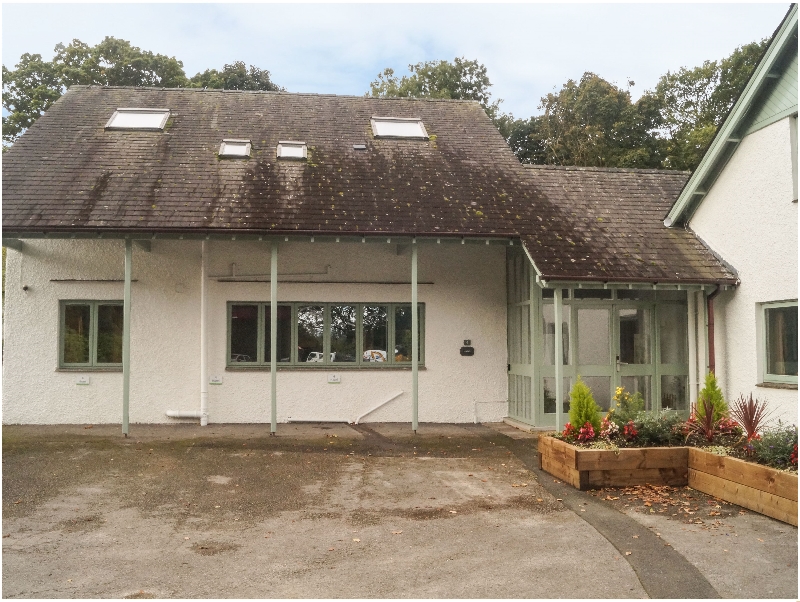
{"x":712,"y":363}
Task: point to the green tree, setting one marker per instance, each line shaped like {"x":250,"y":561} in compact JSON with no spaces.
{"x":694,"y":102}
{"x":35,"y":84}
{"x":460,"y":79}
{"x":594,"y":123}
{"x":236,"y":76}
{"x":582,"y":407}
{"x":712,"y":393}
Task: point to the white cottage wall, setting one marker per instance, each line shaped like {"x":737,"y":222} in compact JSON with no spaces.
{"x":749,"y":219}
{"x":464,"y":300}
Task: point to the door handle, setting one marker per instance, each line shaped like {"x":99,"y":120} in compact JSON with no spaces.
{"x":620,"y":364}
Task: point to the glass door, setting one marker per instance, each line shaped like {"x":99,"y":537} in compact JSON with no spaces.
{"x":634,"y":369}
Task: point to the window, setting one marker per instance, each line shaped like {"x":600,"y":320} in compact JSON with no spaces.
{"x":234,"y":148}
{"x":779,"y":342}
{"x":398,"y":127}
{"x":290,"y":149}
{"x":90,"y":334}
{"x":138,"y":119}
{"x":323,"y":334}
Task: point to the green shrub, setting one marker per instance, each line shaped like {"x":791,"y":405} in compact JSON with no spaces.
{"x":664,"y":428}
{"x":712,"y":393}
{"x":582,"y":407}
{"x":777,"y":446}
{"x":626,"y":407}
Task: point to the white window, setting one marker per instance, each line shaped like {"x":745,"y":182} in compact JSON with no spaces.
{"x":292,"y":149}
{"x":234,"y":148}
{"x":138,"y":119}
{"x":779,"y":342}
{"x":398,"y":127}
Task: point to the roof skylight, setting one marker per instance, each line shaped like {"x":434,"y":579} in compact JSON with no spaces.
{"x":234,"y":148}
{"x":398,"y":127}
{"x":138,"y":119}
{"x":292,"y":149}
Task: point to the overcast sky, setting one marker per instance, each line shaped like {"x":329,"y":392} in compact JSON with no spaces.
{"x":528,"y":49}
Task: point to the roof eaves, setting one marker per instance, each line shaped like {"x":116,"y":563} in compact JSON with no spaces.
{"x":724,"y":142}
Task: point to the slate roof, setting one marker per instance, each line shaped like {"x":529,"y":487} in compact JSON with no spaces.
{"x":616,"y":230}
{"x":68,"y":174}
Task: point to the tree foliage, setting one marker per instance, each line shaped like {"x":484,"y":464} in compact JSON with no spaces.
{"x":35,"y":84}
{"x":460,"y":79}
{"x":582,"y":407}
{"x":236,"y":76}
{"x":711,"y":396}
{"x":694,"y":102}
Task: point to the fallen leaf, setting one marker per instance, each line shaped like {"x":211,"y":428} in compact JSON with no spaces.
{"x":636,"y":537}
{"x":453,"y":512}
{"x":628,"y":553}
{"x":88,"y":427}
{"x":483,"y":480}
{"x":356,"y":539}
{"x":186,"y":538}
{"x":69,"y":580}
{"x":538,"y":499}
{"x":558,"y":499}
{"x":396,"y":532}
{"x":331,"y":549}
{"x":18,"y":502}
{"x":759,"y":539}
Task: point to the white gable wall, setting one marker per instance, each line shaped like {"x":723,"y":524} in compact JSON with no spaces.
{"x":467,"y":300}
{"x":749,"y":219}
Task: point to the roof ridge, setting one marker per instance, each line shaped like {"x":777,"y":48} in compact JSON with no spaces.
{"x":275,"y":92}
{"x":607,"y":169}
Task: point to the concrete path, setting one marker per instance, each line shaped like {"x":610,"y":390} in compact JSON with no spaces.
{"x":456,"y":511}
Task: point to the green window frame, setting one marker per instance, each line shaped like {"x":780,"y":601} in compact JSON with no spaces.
{"x":778,"y":342}
{"x":90,"y":334}
{"x":251,"y":350}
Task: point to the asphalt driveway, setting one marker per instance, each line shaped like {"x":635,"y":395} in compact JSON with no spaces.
{"x":456,"y":511}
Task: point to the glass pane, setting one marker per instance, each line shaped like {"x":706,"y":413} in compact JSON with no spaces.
{"x":638,"y":384}
{"x":591,"y":293}
{"x":244,"y":333}
{"x":673,"y":393}
{"x":76,"y":334}
{"x":634,"y":336}
{"x":630,"y":295}
{"x":550,"y":395}
{"x":549,"y":329}
{"x":310,"y":330}
{"x":782,"y":341}
{"x":593,"y":336}
{"x":672,"y":331}
{"x":402,"y":333}
{"x":601,"y":390}
{"x":284,"y":342}
{"x":549,"y":293}
{"x":404,"y":129}
{"x":109,"y":334}
{"x":343,"y":333}
{"x":138,"y":120}
{"x":375,"y":333}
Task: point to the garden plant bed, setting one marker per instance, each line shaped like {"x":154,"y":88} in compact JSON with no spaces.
{"x":594,"y":468}
{"x":766,"y":490}
{"x":760,"y":488}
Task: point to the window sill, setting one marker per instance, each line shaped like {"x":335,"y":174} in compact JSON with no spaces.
{"x":325,"y":368}
{"x":791,"y":386}
{"x":89,"y":369}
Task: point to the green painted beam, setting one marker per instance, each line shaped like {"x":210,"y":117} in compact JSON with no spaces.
{"x":273,"y":338}
{"x":126,"y":338}
{"x":414,"y":341}
{"x":559,"y":369}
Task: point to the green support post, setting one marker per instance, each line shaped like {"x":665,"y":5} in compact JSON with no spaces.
{"x":126,"y":338}
{"x":273,"y":337}
{"x":557,"y":307}
{"x":414,"y":341}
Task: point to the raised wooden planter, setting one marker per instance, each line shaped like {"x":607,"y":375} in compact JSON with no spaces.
{"x":753,"y":486}
{"x":590,"y":468}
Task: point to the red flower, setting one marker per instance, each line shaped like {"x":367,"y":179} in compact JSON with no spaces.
{"x":586,"y":433}
{"x":568,"y":432}
{"x":793,"y":457}
{"x":629,"y":431}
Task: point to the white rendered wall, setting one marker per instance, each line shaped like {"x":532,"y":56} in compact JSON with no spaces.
{"x":749,"y":219}
{"x":465,"y":301}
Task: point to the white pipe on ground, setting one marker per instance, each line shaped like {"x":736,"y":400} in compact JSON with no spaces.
{"x":183,"y":414}
{"x":380,"y":405}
